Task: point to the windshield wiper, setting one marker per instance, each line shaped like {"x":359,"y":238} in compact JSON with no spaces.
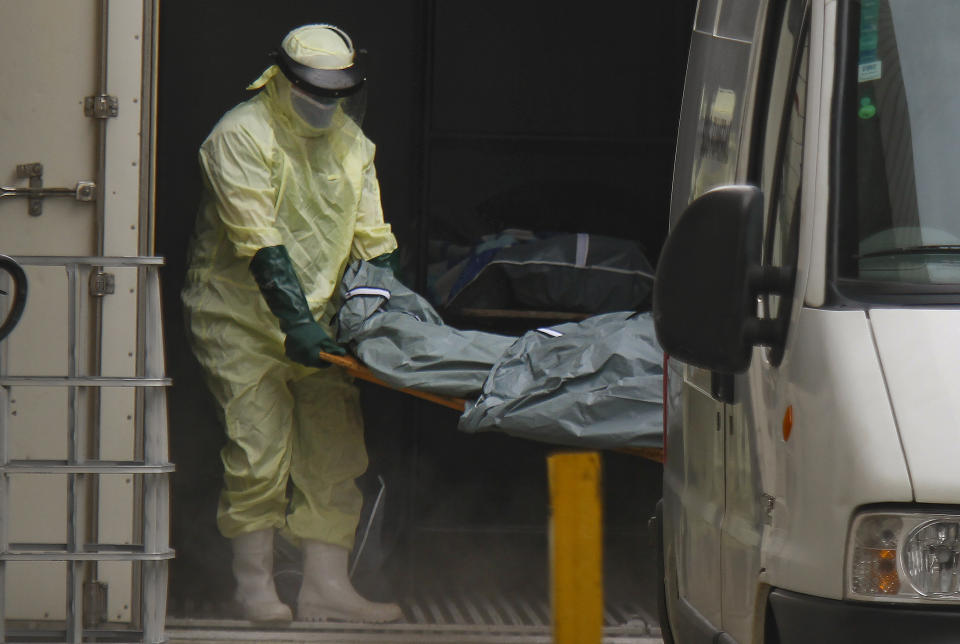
{"x":947,"y":249}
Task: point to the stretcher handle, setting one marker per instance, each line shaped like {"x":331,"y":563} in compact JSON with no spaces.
{"x":358,"y":370}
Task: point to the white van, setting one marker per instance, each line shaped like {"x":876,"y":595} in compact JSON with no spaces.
{"x":809,"y":299}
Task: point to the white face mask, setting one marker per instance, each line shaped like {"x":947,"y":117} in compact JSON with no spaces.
{"x":316,"y":112}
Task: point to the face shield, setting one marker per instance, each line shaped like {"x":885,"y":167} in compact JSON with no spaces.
{"x":321,"y":64}
{"x":355,"y":105}
{"x":319,"y":113}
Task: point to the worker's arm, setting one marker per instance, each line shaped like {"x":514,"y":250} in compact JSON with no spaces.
{"x":236,"y":170}
{"x":372,"y":236}
{"x":278,"y":282}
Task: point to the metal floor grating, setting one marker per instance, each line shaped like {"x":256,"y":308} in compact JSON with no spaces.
{"x":432,"y":618}
{"x":508,"y":610}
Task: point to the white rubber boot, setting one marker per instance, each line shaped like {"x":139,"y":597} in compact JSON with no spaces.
{"x":327,"y":593}
{"x":253,"y":570}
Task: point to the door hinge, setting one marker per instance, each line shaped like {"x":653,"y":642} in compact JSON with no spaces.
{"x":94,"y":603}
{"x":103,"y":106}
{"x":102,"y":284}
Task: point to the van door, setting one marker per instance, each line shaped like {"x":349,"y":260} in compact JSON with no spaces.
{"x":702,"y":491}
{"x":708,"y":150}
{"x":82,"y":432}
{"x":777,"y":167}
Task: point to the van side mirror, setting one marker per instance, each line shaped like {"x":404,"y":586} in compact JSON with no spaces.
{"x":708,"y":279}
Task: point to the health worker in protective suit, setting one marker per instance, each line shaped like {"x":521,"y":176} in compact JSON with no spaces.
{"x":291,"y":196}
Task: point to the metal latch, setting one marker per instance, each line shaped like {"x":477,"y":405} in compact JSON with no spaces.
{"x":83,"y":191}
{"x":103,"y":106}
{"x":102,"y":284}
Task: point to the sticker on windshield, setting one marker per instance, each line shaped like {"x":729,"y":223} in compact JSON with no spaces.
{"x":869,"y":71}
{"x":868,"y":67}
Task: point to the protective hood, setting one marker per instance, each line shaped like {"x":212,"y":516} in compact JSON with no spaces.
{"x":321,"y":60}
{"x":919,"y":351}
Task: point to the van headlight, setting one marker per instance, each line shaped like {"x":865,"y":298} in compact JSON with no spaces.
{"x":904,"y":556}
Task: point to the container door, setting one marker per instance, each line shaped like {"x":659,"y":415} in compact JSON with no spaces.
{"x":76,"y":117}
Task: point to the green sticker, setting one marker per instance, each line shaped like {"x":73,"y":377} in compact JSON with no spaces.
{"x":869,"y":66}
{"x":867,"y":109}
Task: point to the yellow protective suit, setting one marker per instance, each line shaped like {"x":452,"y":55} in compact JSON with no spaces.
{"x":271,"y":179}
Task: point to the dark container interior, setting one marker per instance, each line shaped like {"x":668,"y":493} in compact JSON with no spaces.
{"x":486,"y":115}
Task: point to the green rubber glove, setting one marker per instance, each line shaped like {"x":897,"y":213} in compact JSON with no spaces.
{"x":305,"y":341}
{"x":389,"y":260}
{"x":280,"y":287}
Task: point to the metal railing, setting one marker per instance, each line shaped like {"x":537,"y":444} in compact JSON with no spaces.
{"x":150,"y":469}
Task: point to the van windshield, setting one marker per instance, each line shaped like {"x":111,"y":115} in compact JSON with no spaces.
{"x":899,"y":147}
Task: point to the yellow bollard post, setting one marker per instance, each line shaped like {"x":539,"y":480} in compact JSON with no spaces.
{"x":576,"y":547}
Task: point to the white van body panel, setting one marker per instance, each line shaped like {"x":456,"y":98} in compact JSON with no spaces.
{"x":754,"y":439}
{"x":742,"y":519}
{"x":844,"y":450}
{"x":869,"y":389}
{"x":701,"y":496}
{"x":920,"y":353}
